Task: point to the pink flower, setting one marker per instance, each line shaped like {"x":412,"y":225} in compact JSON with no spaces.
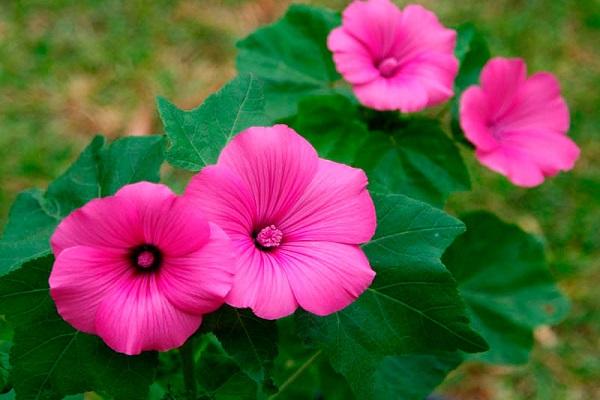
{"x":139,"y":268}
{"x":295,"y":220}
{"x":395,"y":60}
{"x":518,"y":124}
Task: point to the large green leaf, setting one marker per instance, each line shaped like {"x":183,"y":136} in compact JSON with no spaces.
{"x":49,"y":358}
{"x":413,"y":305}
{"x":291,"y":57}
{"x":413,"y":157}
{"x":100,"y":170}
{"x":249,"y":340}
{"x":504,"y":279}
{"x":198,"y":136}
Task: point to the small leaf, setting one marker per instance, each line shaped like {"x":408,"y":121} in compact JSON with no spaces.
{"x":49,"y":358}
{"x":504,"y":279}
{"x":99,"y":171}
{"x":413,"y":305}
{"x":249,"y":340}
{"x":198,"y":136}
{"x":291,"y":57}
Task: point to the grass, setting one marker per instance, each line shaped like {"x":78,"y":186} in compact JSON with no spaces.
{"x":71,"y":69}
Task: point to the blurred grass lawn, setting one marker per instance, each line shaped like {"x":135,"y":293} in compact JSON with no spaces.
{"x":71,"y":69}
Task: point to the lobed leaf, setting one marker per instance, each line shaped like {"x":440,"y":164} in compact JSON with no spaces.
{"x":197,"y":136}
{"x":413,"y":157}
{"x":249,"y":340}
{"x":504,"y":279}
{"x":291,"y":57}
{"x":100,"y":170}
{"x":413,"y":306}
{"x":49,"y":358}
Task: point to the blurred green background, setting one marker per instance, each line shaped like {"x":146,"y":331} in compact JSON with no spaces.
{"x":71,"y":69}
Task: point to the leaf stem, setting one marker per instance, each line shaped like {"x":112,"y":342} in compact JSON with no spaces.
{"x":296,"y":374}
{"x":187,"y":365}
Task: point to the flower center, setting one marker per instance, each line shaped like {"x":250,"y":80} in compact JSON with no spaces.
{"x":146,"y":257}
{"x":388,"y":66}
{"x":269,"y":237}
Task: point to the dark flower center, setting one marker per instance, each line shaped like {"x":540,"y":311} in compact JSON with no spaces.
{"x":388,"y":66}
{"x":146,"y":257}
{"x":268,"y":237}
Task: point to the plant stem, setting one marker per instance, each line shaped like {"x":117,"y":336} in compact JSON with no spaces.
{"x":296,"y":374}
{"x":187,"y":365}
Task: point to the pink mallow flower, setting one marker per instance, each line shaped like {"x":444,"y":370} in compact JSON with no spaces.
{"x":518,"y":124}
{"x":139,"y":268}
{"x":395,"y":59}
{"x":295,"y":220}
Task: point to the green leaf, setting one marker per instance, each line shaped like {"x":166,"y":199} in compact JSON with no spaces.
{"x":331,"y":123}
{"x":413,"y":305}
{"x":100,"y":170}
{"x":198,"y":136}
{"x":415,"y":157}
{"x":249,"y":340}
{"x":219,"y":375}
{"x":472,"y":52}
{"x":504,"y":279}
{"x":49,"y":358}
{"x":291,"y":57}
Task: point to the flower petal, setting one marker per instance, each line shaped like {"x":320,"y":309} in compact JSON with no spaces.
{"x":375,"y":24}
{"x":136,"y":317}
{"x":325,"y":277}
{"x":225,"y":200}
{"x":352,"y":58}
{"x":199,"y":282}
{"x":261,"y":284}
{"x":501,"y":79}
{"x":473,"y":119}
{"x":520,"y":169}
{"x":176,"y":225}
{"x":335,"y":207}
{"x":107,"y":222}
{"x":80,"y":279}
{"x":421,"y":31}
{"x":276,"y":164}
{"x":538,"y":106}
{"x":552,"y":152}
{"x":400,"y":93}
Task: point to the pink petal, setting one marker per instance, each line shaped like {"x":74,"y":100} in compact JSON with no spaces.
{"x":80,"y":279}
{"x":517,"y":167}
{"x":225,"y":200}
{"x":501,"y":79}
{"x":199,"y":282}
{"x":374,"y":23}
{"x":552,"y":152}
{"x":275,"y":163}
{"x":538,"y":106}
{"x":352,"y":59}
{"x":261,"y":284}
{"x":399,"y":93}
{"x":421,"y":31}
{"x":174,"y":224}
{"x":109,"y":222}
{"x":335,"y":207}
{"x":436,"y":73}
{"x":136,"y":317}
{"x":474,"y":119}
{"x":325,"y":277}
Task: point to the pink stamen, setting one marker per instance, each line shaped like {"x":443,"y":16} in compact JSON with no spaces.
{"x":388,"y":66}
{"x":145,"y":259}
{"x":269,"y":237}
